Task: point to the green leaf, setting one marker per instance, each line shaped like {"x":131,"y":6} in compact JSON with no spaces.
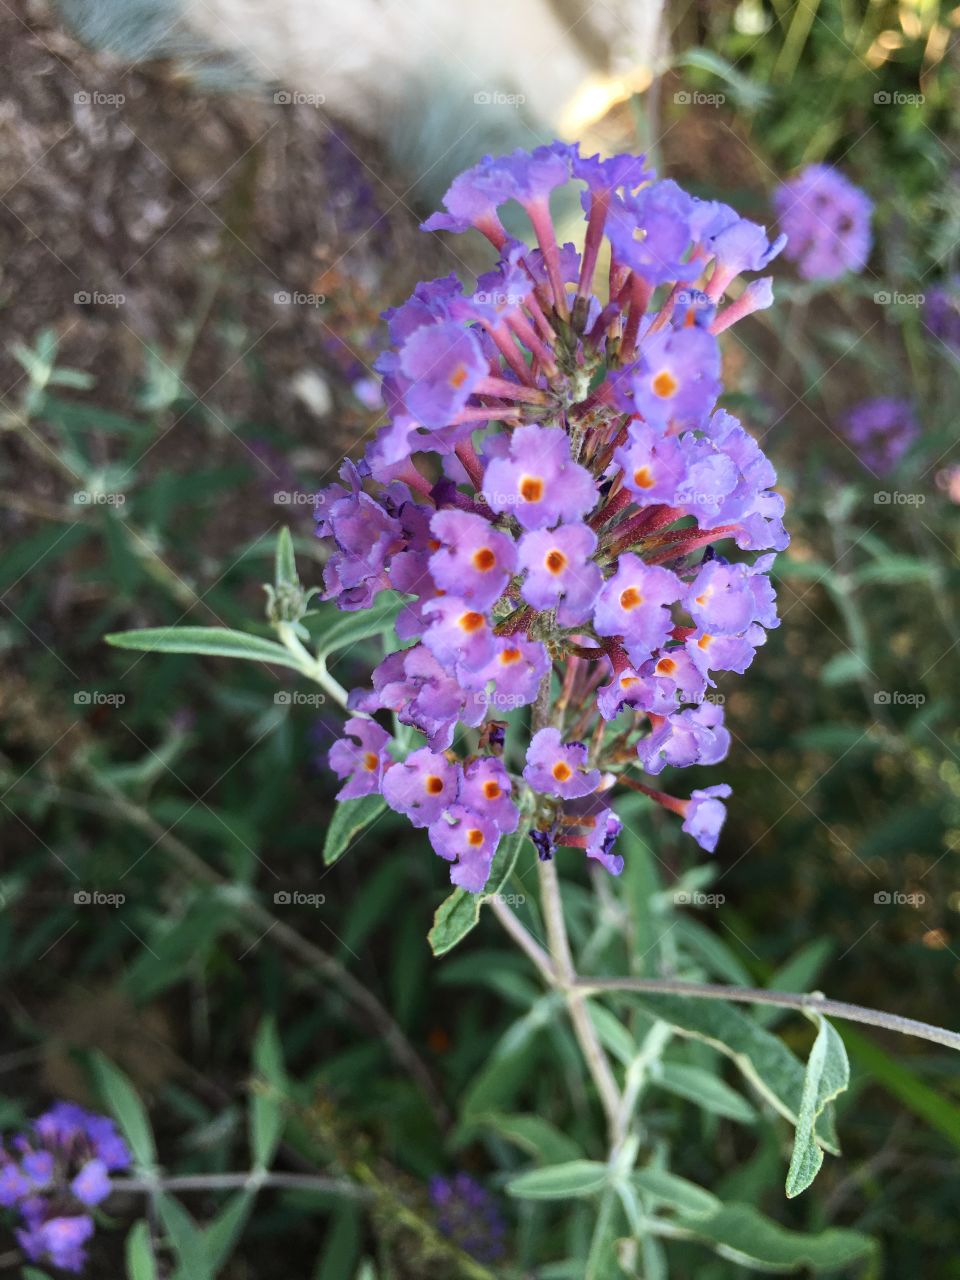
{"x":762,"y":1058}
{"x":827,"y":1076}
{"x":223,"y":1234}
{"x":560,"y":1181}
{"x":895,"y":569}
{"x":32,"y":1273}
{"x":351,"y":628}
{"x":215,"y":642}
{"x":186,"y":1239}
{"x":266,"y":1109}
{"x":139,"y":1253}
{"x":705,"y":1089}
{"x":285,"y":563}
{"x":799,"y":973}
{"x":533,"y":1134}
{"x":121,"y":1098}
{"x":679,"y":1193}
{"x":932,"y":1106}
{"x":744,"y":1235}
{"x":842,"y":668}
{"x":350,"y":818}
{"x":457,"y":914}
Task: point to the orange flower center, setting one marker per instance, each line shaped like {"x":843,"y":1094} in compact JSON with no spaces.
{"x":491,"y":789}
{"x":509,"y":656}
{"x":371,"y":762}
{"x":432,"y":784}
{"x":664,"y":384}
{"x":666,"y":666}
{"x":472,"y":621}
{"x":630,"y":598}
{"x":556,"y":561}
{"x":475,"y":836}
{"x":484,"y":559}
{"x":705,"y":641}
{"x":531,"y":488}
{"x":643,"y":478}
{"x":562,"y":771}
{"x":458,"y":377}
{"x":627,"y":682}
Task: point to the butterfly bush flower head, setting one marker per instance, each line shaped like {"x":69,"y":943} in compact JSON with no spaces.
{"x":566,"y":519}
{"x":827,"y":222}
{"x":53,"y":1174}
{"x":468,"y":1215}
{"x":880,"y":431}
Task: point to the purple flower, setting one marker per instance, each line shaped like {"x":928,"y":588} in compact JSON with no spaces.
{"x":724,"y":653}
{"x":516,"y":669}
{"x":653,"y":464}
{"x":941,"y":312}
{"x":650,"y":232}
{"x":633,"y":604}
{"x":468,"y":1214}
{"x":881,"y":431}
{"x":695,"y":735}
{"x":705,"y":815}
{"x":560,"y":769}
{"x":92,"y":1183}
{"x":458,"y":632}
{"x":560,"y":573}
{"x":475,"y":561}
{"x":677,"y":378}
{"x":360,"y":757}
{"x":420,"y":692}
{"x":602,"y":839}
{"x":827,"y":222}
{"x":538,"y":482}
{"x":486,"y":790}
{"x":59,"y":1241}
{"x":468,"y":840}
{"x":422,"y":786}
{"x":364,"y":535}
{"x":721,"y":599}
{"x":443,"y":362}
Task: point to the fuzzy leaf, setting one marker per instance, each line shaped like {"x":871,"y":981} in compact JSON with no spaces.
{"x":827,"y":1076}
{"x":215,"y":642}
{"x":560,"y":1181}
{"x":350,"y":818}
{"x":458,"y":913}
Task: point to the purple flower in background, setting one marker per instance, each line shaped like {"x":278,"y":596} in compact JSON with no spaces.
{"x":557,"y":768}
{"x":826,"y":220}
{"x":881,"y":431}
{"x":941,"y":312}
{"x":59,"y":1168}
{"x":468,"y":1215}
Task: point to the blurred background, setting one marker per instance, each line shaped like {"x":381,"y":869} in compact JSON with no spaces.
{"x":202,"y":213}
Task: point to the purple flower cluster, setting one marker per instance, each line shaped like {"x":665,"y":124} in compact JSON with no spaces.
{"x":53,"y":1175}
{"x":546,"y":496}
{"x":881,"y":431}
{"x":827,"y":222}
{"x":468,"y":1215}
{"x":941,"y":312}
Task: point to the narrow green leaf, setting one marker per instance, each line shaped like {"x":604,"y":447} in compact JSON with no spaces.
{"x":32,"y":1273}
{"x":705,"y":1089}
{"x":266,"y":1109}
{"x":285,"y":563}
{"x":121,"y":1098}
{"x":679,"y":1193}
{"x":932,"y":1106}
{"x":186,"y":1239}
{"x":222,"y":1236}
{"x":745,"y":1235}
{"x":457,"y":914}
{"x":351,"y":628}
{"x":533,"y":1134}
{"x":139,"y":1253}
{"x":827,"y":1076}
{"x":350,"y":818}
{"x":215,"y":642}
{"x":560,"y":1181}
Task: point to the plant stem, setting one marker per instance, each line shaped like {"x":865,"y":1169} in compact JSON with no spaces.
{"x":252,"y":1181}
{"x":785,"y":999}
